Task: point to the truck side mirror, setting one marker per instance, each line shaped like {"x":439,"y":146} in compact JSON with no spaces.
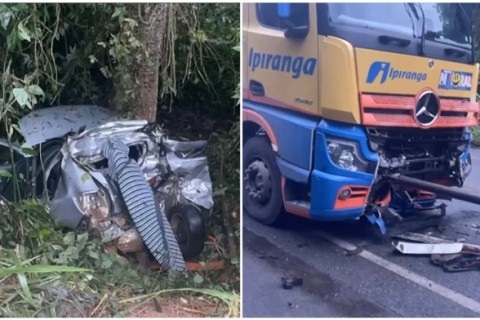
{"x":283,"y":10}
{"x":299,"y":32}
{"x":294,"y":29}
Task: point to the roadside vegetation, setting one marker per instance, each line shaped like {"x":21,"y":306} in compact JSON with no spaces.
{"x":107,"y":54}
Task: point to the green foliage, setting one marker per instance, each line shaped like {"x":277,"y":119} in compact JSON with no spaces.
{"x":208,"y":70}
{"x":476,"y":136}
{"x":84,"y":53}
{"x":40,"y":266}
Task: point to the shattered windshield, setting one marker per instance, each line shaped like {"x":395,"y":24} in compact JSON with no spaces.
{"x":444,"y":22}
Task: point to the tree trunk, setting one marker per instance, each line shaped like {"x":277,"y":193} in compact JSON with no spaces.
{"x":151,"y":32}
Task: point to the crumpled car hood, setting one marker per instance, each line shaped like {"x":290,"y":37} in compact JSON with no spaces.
{"x":45,"y":124}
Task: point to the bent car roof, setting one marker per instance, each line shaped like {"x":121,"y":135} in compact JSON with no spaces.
{"x":45,"y":124}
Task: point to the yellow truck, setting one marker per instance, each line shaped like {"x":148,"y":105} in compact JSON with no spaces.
{"x":355,"y":109}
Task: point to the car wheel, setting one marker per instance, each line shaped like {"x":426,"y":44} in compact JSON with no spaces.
{"x":189,"y":228}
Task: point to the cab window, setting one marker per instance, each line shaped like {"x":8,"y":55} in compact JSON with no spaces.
{"x":267,"y":14}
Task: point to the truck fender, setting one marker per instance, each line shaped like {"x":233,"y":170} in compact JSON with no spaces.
{"x":255,"y":117}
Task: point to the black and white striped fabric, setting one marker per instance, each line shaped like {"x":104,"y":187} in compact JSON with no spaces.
{"x":152,"y":225}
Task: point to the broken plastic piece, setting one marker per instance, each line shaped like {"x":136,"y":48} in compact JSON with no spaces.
{"x":427,"y":248}
{"x":419,"y":237}
{"x":378,"y":221}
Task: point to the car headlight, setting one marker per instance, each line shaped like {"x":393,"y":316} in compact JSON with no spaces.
{"x":93,"y":204}
{"x":346,"y":155}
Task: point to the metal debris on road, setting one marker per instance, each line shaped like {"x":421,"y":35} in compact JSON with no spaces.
{"x":452,"y":256}
{"x":457,"y":262}
{"x":420,"y":237}
{"x":289,"y":283}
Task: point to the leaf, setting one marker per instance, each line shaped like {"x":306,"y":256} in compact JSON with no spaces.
{"x":23,"y":33}
{"x":69,"y":238}
{"x":44,"y":233}
{"x":85,"y":176}
{"x":93,"y":254}
{"x":5,"y":173}
{"x":5,"y":18}
{"x":107,"y":263}
{"x":27,"y":151}
{"x":36,"y":90}
{"x":40,"y":269}
{"x":72,"y":253}
{"x":82,"y":236}
{"x":21,"y":96}
{"x":198,"y":279}
{"x":25,"y":288}
{"x":92,"y":59}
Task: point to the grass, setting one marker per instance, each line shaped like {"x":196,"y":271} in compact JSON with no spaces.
{"x":476,"y":136}
{"x":46,"y":271}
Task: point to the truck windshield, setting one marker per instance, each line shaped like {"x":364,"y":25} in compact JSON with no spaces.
{"x":444,"y":22}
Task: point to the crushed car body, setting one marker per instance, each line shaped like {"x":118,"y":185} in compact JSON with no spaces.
{"x":83,"y":193}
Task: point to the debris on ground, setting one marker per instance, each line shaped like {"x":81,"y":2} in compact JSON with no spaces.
{"x":292,"y":305}
{"x":419,"y":237}
{"x":427,"y":248}
{"x":452,"y":256}
{"x":355,"y":251}
{"x":457,"y":262}
{"x":289,"y":283}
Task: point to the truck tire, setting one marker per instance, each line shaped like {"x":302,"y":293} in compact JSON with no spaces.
{"x":189,"y":228}
{"x":262,"y":193}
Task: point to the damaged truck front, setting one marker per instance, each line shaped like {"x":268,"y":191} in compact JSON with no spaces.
{"x":86,"y":157}
{"x":340,"y":99}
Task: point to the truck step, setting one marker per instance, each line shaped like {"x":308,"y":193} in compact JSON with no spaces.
{"x":299,"y":204}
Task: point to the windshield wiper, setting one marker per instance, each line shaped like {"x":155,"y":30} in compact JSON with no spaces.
{"x":415,"y":12}
{"x":422,"y":40}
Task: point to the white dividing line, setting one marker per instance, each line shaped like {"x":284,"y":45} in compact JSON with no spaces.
{"x":449,"y":294}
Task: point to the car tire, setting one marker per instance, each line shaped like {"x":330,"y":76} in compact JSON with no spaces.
{"x":189,"y":228}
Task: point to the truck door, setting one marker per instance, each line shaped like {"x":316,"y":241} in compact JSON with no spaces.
{"x":282,"y":57}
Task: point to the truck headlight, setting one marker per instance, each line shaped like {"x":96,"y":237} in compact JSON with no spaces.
{"x":346,"y":155}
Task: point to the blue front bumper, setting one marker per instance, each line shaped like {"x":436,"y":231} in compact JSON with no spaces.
{"x":327,"y":178}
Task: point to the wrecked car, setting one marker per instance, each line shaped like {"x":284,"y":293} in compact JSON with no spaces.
{"x":82,"y":155}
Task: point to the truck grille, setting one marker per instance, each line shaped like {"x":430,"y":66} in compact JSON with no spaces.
{"x":397,"y":111}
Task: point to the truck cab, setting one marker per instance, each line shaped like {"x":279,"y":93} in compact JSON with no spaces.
{"x":337,"y":97}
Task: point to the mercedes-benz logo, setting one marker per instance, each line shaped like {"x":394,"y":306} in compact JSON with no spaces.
{"x":427,"y":109}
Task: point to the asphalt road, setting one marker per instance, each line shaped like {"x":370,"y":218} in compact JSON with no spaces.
{"x":377,"y":282}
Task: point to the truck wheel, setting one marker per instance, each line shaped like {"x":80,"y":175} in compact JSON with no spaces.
{"x":187,"y":224}
{"x":262,"y":193}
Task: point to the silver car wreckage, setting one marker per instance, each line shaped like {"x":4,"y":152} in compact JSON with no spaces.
{"x":124,"y":180}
